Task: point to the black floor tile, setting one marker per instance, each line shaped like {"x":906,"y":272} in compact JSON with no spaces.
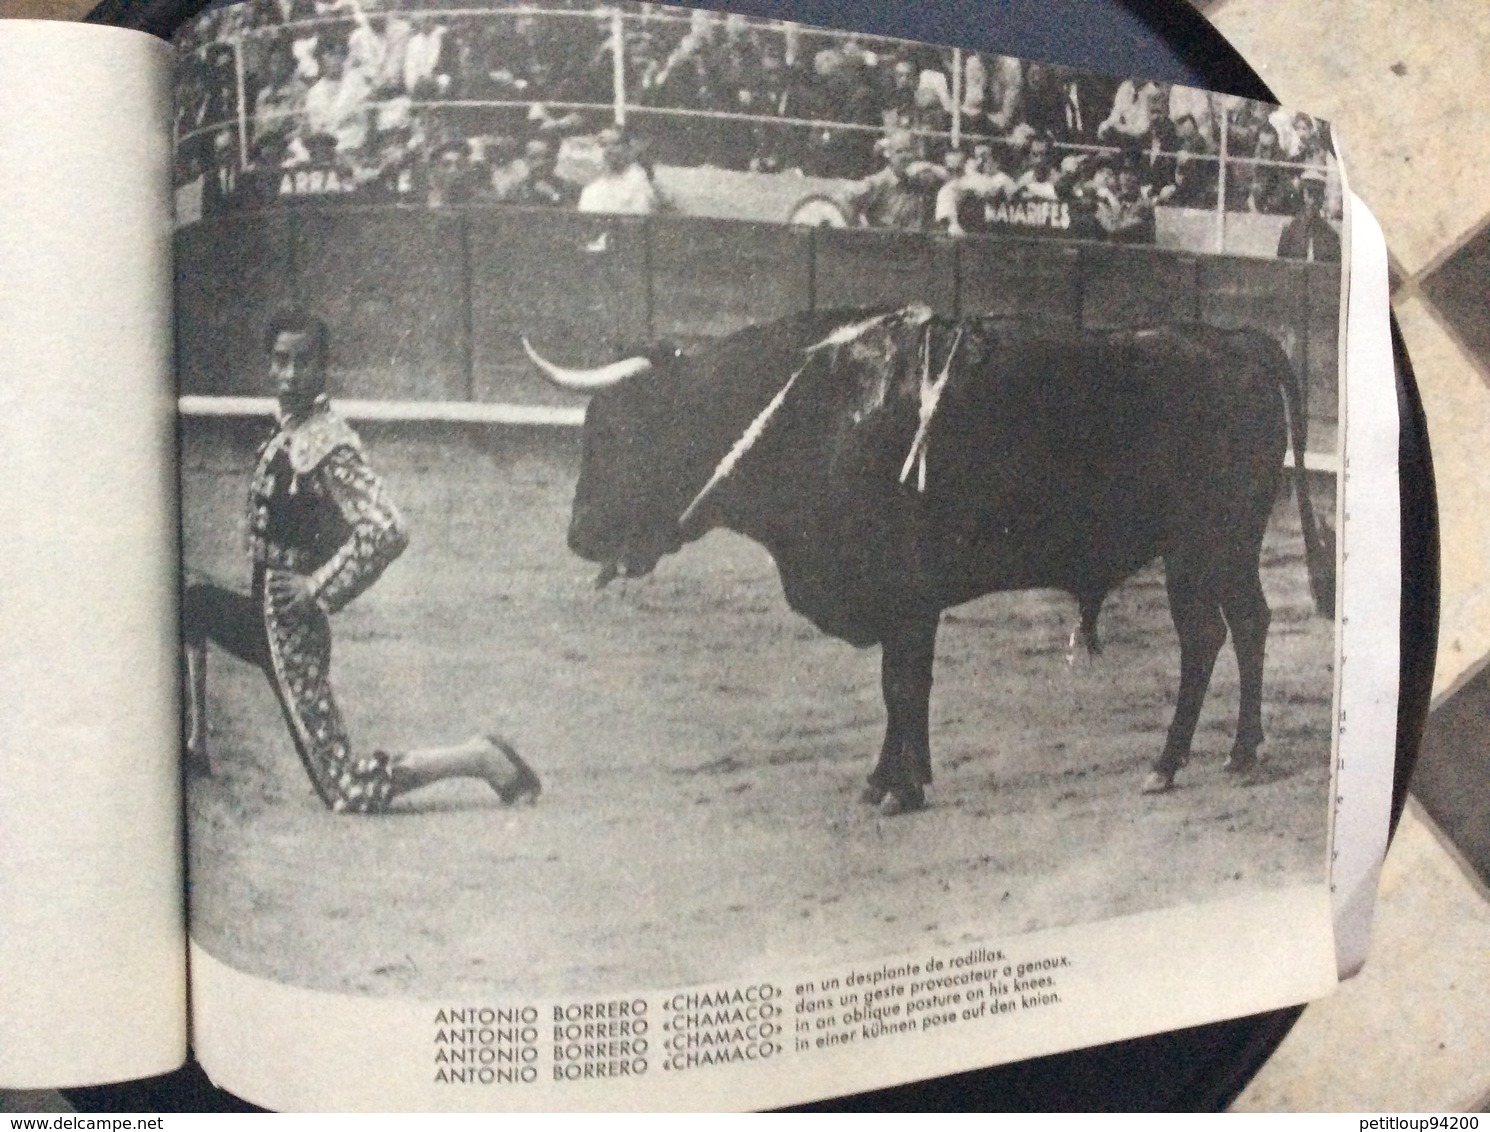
{"x":1460,"y":289}
{"x":1452,"y":779}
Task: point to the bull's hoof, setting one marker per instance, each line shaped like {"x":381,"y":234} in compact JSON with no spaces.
{"x":1159,"y":782}
{"x":904,"y":801}
{"x":872,"y":795}
{"x":1240,"y":761}
{"x":1082,"y":651}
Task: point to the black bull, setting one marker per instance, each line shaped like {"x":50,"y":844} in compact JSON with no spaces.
{"x":896,"y":464}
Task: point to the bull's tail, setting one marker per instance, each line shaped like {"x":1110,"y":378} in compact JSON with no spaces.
{"x":1319,"y":538}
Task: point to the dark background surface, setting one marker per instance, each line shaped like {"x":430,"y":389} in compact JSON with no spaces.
{"x":1201,"y":1069}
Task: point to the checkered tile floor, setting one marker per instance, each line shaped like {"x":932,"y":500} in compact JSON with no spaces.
{"x":1404,"y":82}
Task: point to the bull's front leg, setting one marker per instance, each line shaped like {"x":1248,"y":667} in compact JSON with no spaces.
{"x":898,"y":782}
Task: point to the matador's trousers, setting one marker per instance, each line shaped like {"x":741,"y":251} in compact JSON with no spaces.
{"x":293,"y":650}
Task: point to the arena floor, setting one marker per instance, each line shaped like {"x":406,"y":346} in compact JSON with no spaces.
{"x":702,"y":747}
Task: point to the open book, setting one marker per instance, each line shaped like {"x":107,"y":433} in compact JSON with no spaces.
{"x":848,"y":362}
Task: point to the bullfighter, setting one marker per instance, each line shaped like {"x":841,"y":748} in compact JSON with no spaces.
{"x":321,"y":530}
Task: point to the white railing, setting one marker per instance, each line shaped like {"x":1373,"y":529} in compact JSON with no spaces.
{"x":612,"y":24}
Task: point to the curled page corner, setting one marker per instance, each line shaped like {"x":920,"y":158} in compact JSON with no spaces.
{"x":1369,"y":646}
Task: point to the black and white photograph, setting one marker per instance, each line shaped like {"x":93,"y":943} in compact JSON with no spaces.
{"x":670,"y":497}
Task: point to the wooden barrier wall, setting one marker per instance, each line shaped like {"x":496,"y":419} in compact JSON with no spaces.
{"x":431,"y":305}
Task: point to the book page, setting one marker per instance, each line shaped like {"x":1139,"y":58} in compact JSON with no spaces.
{"x":1366,"y":737}
{"x":884,"y":495}
{"x":92,"y":947}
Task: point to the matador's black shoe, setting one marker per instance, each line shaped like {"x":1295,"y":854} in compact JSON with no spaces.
{"x":525,"y":784}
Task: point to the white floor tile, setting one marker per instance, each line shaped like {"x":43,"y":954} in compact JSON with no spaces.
{"x":1457,"y":403}
{"x":1405,"y":81}
{"x":1412,"y":1031}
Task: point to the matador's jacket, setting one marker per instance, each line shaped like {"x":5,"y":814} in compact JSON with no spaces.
{"x":316,"y":509}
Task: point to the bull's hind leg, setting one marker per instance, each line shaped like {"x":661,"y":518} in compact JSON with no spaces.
{"x":1202,"y":632}
{"x":898,"y":781}
{"x":1247,"y":614}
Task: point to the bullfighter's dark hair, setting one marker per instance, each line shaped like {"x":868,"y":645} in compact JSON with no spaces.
{"x":298,"y":320}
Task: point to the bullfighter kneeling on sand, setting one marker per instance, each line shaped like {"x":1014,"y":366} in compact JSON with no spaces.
{"x":321,"y":530}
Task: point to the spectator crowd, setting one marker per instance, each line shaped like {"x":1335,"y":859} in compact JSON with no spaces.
{"x":517,"y":104}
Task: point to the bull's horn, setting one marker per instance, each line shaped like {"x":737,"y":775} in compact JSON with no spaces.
{"x":587,"y":380}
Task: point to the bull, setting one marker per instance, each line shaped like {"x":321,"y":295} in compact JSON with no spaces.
{"x":896,"y":463}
